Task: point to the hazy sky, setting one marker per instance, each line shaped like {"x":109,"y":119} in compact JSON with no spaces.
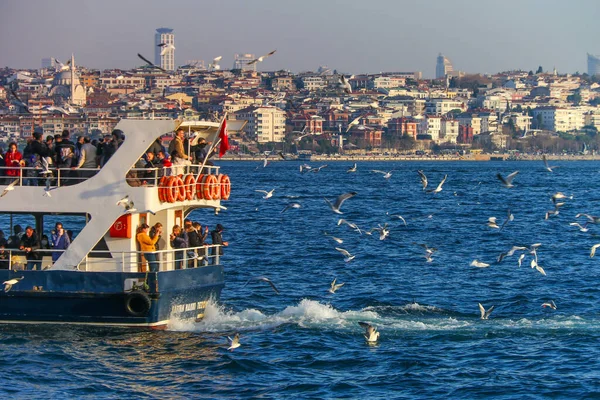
{"x":351,"y":35}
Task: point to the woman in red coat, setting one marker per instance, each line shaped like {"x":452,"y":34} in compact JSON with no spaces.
{"x":12,"y":158}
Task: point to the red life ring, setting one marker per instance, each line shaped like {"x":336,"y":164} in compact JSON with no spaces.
{"x":171,"y":189}
{"x":161,"y":189}
{"x":189,"y":183}
{"x":225,"y":184}
{"x":199,"y":187}
{"x":208,"y":187}
{"x":180,"y":188}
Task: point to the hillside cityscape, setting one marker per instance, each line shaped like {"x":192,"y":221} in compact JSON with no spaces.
{"x":324,"y":112}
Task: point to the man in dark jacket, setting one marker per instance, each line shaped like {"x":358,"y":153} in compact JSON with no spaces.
{"x":65,"y":154}
{"x":30,"y":244}
{"x":217,"y":239}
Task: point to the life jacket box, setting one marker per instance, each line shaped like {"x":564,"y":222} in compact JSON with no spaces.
{"x":121,"y":227}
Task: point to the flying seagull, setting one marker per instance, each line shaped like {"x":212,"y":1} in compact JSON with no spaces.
{"x":126,"y":203}
{"x":165,"y":47}
{"x":353,"y":168}
{"x":264,"y":279}
{"x":151,"y":64}
{"x":371,"y":334}
{"x":261,"y":58}
{"x":267,"y":195}
{"x":10,"y":187}
{"x":386,"y":175}
{"x":479,"y":264}
{"x":549,"y":304}
{"x":591,"y":218}
{"x":215,"y":64}
{"x":593,"y":251}
{"x":348,"y":257}
{"x":583,"y":228}
{"x":507,"y":182}
{"x":485,"y":314}
{"x":439,"y":187}
{"x":548,"y":167}
{"x":335,"y":239}
{"x":509,"y":217}
{"x":350,"y":224}
{"x":335,"y":207}
{"x":9,"y":284}
{"x":423,"y":178}
{"x":19,"y":101}
{"x":291,"y":205}
{"x":334,"y":287}
{"x":510,"y":252}
{"x":345,"y":85}
{"x":234,"y":343}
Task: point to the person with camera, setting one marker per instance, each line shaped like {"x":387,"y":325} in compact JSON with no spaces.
{"x":147,"y":245}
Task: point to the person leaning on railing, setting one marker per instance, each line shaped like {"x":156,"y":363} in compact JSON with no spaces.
{"x":179,"y":240}
{"x":147,"y":245}
{"x":12,"y":158}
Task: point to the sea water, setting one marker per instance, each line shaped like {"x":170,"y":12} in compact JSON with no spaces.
{"x":306,"y":342}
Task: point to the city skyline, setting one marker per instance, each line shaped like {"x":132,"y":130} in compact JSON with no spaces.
{"x":351,"y":36}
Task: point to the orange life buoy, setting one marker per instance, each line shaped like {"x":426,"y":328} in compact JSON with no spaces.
{"x":199,"y":187}
{"x":161,"y":189}
{"x":180,"y":188}
{"x":210,"y":182}
{"x":171,"y":189}
{"x":189,"y":183}
{"x":225,"y":184}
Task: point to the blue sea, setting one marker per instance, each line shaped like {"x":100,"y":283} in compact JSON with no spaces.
{"x":306,"y":342}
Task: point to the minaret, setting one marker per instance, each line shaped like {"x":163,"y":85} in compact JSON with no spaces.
{"x":72,"y":78}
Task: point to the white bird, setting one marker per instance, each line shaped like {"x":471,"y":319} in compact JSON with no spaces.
{"x":234,"y":343}
{"x":535,"y":265}
{"x":485,"y":314}
{"x":267,"y":195}
{"x":350,"y":224}
{"x":9,"y":284}
{"x":439,"y":187}
{"x":591,"y":218}
{"x":334,"y":287}
{"x":261,"y":58}
{"x":353,"y":168}
{"x":45,"y":167}
{"x":583,"y":228}
{"x":492,"y":223}
{"x":386,"y":175}
{"x":348,"y":257}
{"x":126,"y":203}
{"x":56,"y":108}
{"x":479,"y":264}
{"x":345,"y":85}
{"x":47,"y":188}
{"x":507,"y":182}
{"x":355,"y":121}
{"x":399,"y":217}
{"x":335,"y":207}
{"x":371,"y":334}
{"x":428,"y":250}
{"x":560,"y":195}
{"x":548,"y":167}
{"x":423,"y":178}
{"x":335,"y":239}
{"x":509,"y":217}
{"x":593,"y":251}
{"x":264,"y":279}
{"x":165,"y":48}
{"x":291,"y":205}
{"x":549,"y":304}
{"x":215,"y":64}
{"x":521,"y":257}
{"x":383,"y":231}
{"x":9,"y":188}
{"x":510,"y":252}
{"x":315,"y":170}
{"x":20,"y":102}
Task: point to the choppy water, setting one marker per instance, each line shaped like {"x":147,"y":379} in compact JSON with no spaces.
{"x":306,"y":343}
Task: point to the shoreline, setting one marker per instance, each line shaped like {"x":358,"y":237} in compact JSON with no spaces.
{"x":469,"y":158}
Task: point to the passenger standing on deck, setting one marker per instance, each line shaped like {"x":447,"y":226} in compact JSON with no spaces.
{"x":147,"y":246}
{"x":65,"y":154}
{"x":179,"y":240}
{"x":30,"y":244}
{"x":217,"y":239}
{"x":12,"y":158}
{"x":87,"y":159}
{"x":194,"y":240}
{"x":177,"y":151}
{"x":156,"y":230}
{"x":60,"y":241}
{"x":202,"y":235}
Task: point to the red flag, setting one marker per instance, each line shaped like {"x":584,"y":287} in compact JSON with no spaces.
{"x":224,"y":146}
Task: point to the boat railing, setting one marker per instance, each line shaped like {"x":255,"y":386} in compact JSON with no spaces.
{"x":122,"y":261}
{"x":147,"y":177}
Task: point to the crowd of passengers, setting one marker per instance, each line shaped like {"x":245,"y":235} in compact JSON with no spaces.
{"x":83,"y":157}
{"x":191,"y":236}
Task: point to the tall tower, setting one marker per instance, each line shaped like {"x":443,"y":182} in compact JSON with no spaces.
{"x":442,"y":67}
{"x":167,"y":60}
{"x":240,"y":61}
{"x":593,"y":65}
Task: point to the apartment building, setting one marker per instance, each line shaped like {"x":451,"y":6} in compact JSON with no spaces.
{"x":559,"y":119}
{"x":264,"y":123}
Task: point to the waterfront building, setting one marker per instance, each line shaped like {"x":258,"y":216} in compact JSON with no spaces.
{"x":397,"y":127}
{"x":448,"y":131}
{"x":264,"y":123}
{"x":167,"y":60}
{"x":240,"y":61}
{"x":593,"y":64}
{"x":559,"y":119}
{"x":430,"y":125}
{"x":312,"y":83}
{"x":443,"y":106}
{"x":442,"y":67}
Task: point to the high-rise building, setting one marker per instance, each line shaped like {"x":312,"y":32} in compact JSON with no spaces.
{"x":49,"y":62}
{"x":593,"y":65}
{"x":442,"y":67}
{"x":167,"y":60}
{"x":240,"y":61}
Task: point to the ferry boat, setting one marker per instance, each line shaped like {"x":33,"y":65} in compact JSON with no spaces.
{"x":99,"y":279}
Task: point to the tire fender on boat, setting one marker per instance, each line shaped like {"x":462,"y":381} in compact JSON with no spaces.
{"x":137,"y":303}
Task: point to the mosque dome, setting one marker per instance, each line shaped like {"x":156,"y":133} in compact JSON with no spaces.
{"x":64,"y":78}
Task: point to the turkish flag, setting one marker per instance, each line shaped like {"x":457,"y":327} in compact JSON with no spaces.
{"x":224,"y":146}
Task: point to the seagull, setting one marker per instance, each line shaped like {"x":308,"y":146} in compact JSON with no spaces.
{"x":371,"y":334}
{"x":492,"y":223}
{"x":521,"y":257}
{"x":291,"y":205}
{"x":150,"y":64}
{"x":9,"y":284}
{"x":264,"y":279}
{"x":423,"y":179}
{"x":548,"y":168}
{"x":560,"y":195}
{"x":353,"y":168}
{"x":591,"y":218}
{"x":349,"y":257}
{"x":581,"y":228}
{"x":304,"y":168}
{"x":428,"y":250}
{"x":383,"y":231}
{"x":485,"y":314}
{"x":280,"y":154}
{"x":399,"y":217}
{"x":234,"y":343}
{"x":9,"y":188}
{"x":335,"y":239}
{"x":350,"y":224}
{"x":479,"y":264}
{"x":20,"y":102}
{"x":125,"y":202}
{"x":355,"y":121}
{"x":428,"y":257}
{"x":507,"y":182}
{"x":535,"y":265}
{"x":344,"y":84}
{"x":215,"y":64}
{"x":335,"y":207}
{"x":593,"y":251}
{"x":165,"y":47}
{"x":55,"y":108}
{"x":510,"y":252}
{"x":315,"y":170}
{"x":439,"y":187}
{"x":555,"y":211}
{"x":261,"y":58}
{"x":47,"y":187}
{"x":509,"y":217}
{"x":267,"y":195}
{"x":386,"y":175}
{"x":335,"y":287}
{"x":46,"y":167}
{"x":549,"y":304}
